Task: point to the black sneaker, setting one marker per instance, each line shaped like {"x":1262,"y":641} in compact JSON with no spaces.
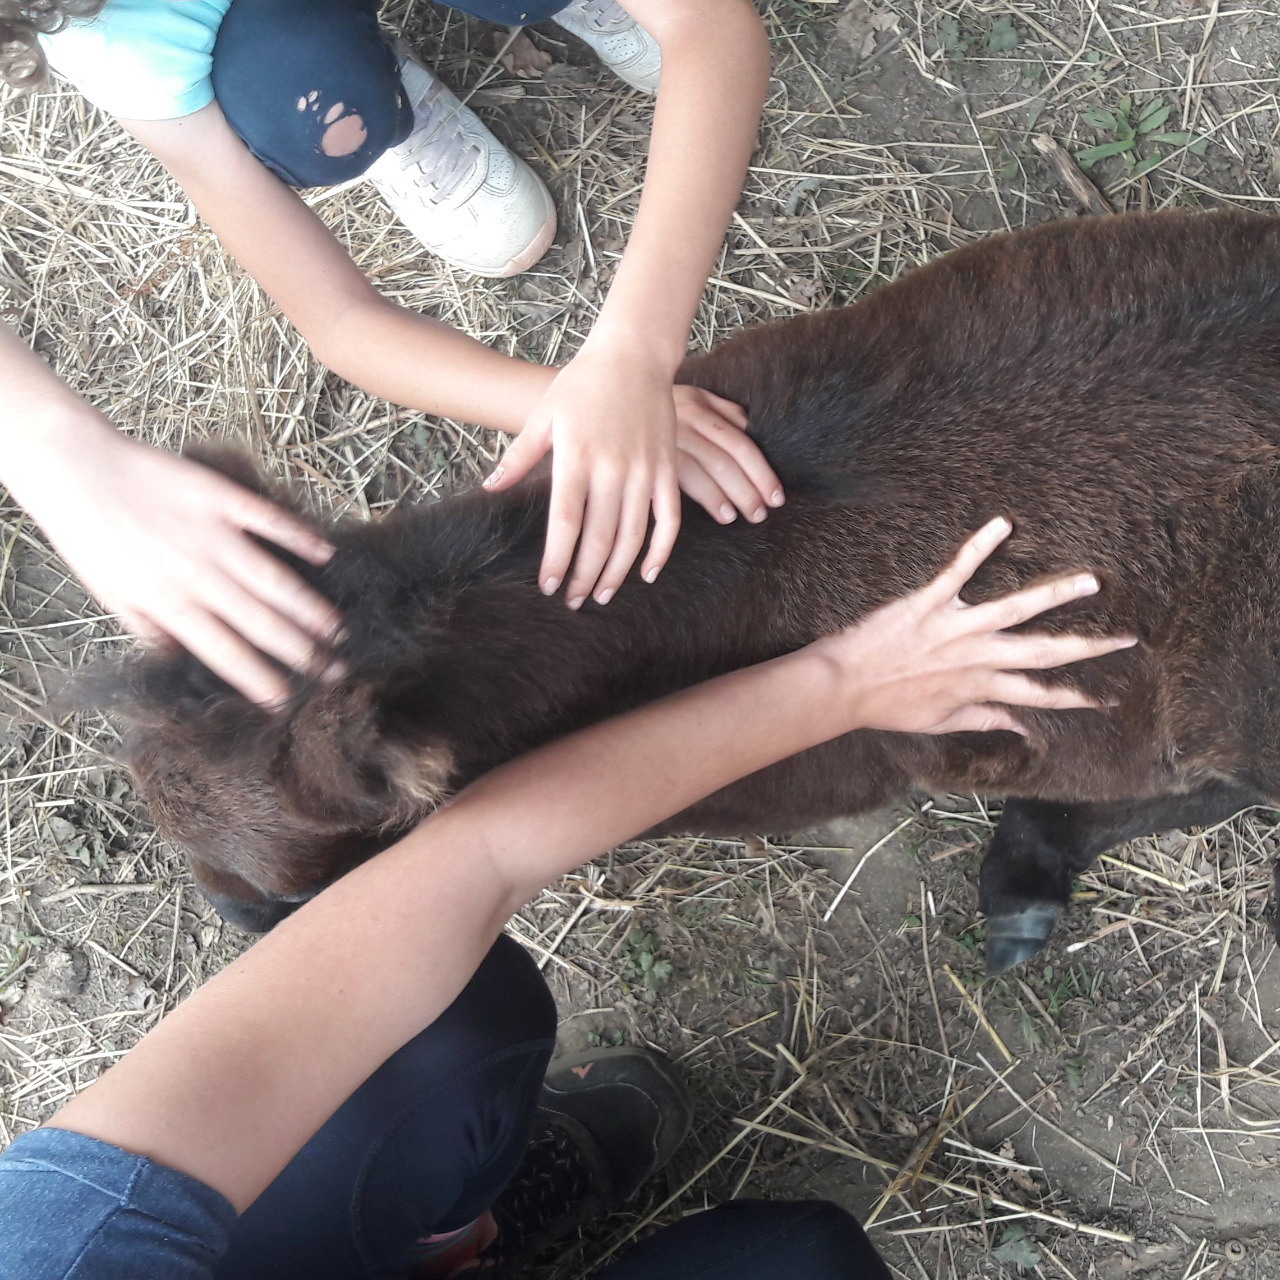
{"x":607,"y":1120}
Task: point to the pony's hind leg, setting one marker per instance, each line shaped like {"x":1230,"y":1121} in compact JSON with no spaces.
{"x":1040,"y":845}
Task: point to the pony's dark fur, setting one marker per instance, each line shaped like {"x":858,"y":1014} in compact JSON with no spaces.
{"x":1112,"y":385}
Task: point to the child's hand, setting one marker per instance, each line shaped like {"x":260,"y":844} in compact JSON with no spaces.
{"x":718,"y":465}
{"x":625,"y":442}
{"x":929,"y":663}
{"x":611,"y":424}
{"x":164,"y":542}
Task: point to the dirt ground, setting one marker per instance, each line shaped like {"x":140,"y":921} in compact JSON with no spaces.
{"x":1111,"y":1110}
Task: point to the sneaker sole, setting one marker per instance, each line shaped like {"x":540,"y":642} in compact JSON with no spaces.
{"x":522,"y":262}
{"x":655,"y":1077}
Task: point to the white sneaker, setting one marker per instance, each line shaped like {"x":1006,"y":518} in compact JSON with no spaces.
{"x":617,"y":39}
{"x":459,"y":190}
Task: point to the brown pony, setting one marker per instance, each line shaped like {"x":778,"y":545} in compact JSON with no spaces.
{"x":1112,"y":385}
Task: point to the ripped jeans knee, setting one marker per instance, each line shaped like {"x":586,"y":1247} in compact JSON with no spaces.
{"x":311,"y":86}
{"x":344,"y":129}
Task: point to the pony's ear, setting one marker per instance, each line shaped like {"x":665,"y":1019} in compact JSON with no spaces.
{"x":237,"y":465}
{"x":340,"y":765}
{"x":233,"y":463}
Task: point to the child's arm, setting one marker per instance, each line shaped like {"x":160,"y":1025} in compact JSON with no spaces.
{"x":232,"y":1083}
{"x":159,"y":539}
{"x":609,"y":415}
{"x":164,"y":542}
{"x":387,"y":349}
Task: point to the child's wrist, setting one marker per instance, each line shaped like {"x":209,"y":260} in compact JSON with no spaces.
{"x":826,"y":688}
{"x":622,"y":342}
{"x":38,"y":451}
{"x":843,"y":684}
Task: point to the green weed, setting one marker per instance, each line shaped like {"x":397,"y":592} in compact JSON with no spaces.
{"x":599,"y":1039}
{"x":641,"y":965}
{"x":1073,"y":983}
{"x":1135,"y":139}
{"x":1016,"y":1248}
{"x":1002,"y":36}
{"x":1074,"y":1069}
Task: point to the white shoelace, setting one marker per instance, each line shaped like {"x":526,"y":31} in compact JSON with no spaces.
{"x":603,"y":14}
{"x":440,"y":153}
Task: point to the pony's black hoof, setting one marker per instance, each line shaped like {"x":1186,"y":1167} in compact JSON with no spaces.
{"x":1013,"y":939}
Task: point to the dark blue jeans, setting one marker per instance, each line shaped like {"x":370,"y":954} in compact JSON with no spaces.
{"x":272,"y":55}
{"x":424,"y":1146}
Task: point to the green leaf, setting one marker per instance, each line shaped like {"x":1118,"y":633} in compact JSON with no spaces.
{"x":1009,"y":171}
{"x":1091,"y":155}
{"x":1018,"y":1253}
{"x":1002,"y":36}
{"x":1100,"y":118}
{"x":1016,"y":1250}
{"x":1149,"y":119}
{"x":949,"y":34}
{"x":1150,"y":107}
{"x":1197,"y":146}
{"x":1145,"y":166}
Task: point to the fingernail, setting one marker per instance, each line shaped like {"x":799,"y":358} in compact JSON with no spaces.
{"x":777,"y":498}
{"x":1085,"y":584}
{"x":494,"y":476}
{"x":549,"y":586}
{"x":333,"y":631}
{"x":605,"y":596}
{"x":728,"y":513}
{"x":651,"y":575}
{"x":576,"y":602}
{"x":326,"y":549}
{"x":1000,"y":525}
{"x":757,"y":515}
{"x":334,"y":672}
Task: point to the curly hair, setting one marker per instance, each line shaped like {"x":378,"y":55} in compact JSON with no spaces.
{"x":22,"y":61}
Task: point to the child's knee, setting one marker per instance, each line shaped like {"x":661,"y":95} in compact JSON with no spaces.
{"x":344,"y":131}
{"x":312,"y":88}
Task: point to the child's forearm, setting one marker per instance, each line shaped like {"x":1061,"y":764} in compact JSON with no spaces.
{"x":236,"y":1080}
{"x":40,"y":419}
{"x":715,"y":69}
{"x":386,"y":349}
{"x":627,"y":774}
{"x":422,"y":364}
